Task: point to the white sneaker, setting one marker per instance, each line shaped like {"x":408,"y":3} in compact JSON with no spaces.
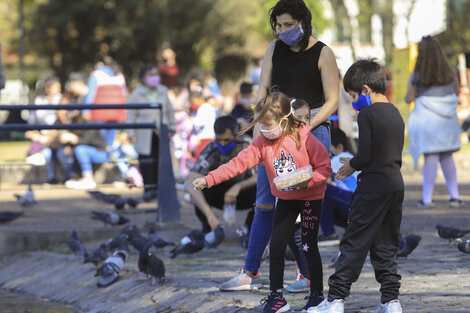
{"x":83,"y":183}
{"x":393,"y":306}
{"x":335,"y":306}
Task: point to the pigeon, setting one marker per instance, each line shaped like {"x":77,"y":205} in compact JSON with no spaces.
{"x":76,"y":245}
{"x":110,"y":197}
{"x":214,"y":238}
{"x":408,"y":244}
{"x":464,"y":246}
{"x":8,"y":216}
{"x":136,"y":239}
{"x":110,"y":218}
{"x":450,"y":232}
{"x":150,"y":264}
{"x":109,"y":270}
{"x":158,"y":241}
{"x":97,"y":256}
{"x":27,"y":199}
{"x":133,"y":202}
{"x":98,"y":195}
{"x":119,"y":203}
{"x":191,"y":243}
{"x":114,"y":243}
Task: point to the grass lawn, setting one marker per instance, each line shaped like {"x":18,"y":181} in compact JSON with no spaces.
{"x":13,"y":150}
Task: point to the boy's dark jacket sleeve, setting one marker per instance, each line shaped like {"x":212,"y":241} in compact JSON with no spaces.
{"x":364,"y":151}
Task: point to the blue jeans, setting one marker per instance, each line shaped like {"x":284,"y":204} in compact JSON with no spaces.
{"x":335,"y":209}
{"x":86,"y":155}
{"x":54,"y":157}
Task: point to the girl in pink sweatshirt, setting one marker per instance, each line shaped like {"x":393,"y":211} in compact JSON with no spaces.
{"x":286,"y":145}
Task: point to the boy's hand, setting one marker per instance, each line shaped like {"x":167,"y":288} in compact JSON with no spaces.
{"x":231,"y":194}
{"x":199,"y":183}
{"x":345,"y":170}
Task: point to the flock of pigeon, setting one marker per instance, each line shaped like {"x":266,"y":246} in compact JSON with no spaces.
{"x":454,"y":235}
{"x":147,"y":247}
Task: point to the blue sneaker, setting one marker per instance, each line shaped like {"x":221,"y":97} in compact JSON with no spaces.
{"x":301,"y":285}
{"x":275,"y":302}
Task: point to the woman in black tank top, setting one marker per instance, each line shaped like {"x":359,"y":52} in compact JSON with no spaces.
{"x":301,"y":67}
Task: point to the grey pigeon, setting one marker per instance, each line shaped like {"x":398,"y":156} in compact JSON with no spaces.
{"x":158,"y":241}
{"x":109,"y":270}
{"x":464,"y":246}
{"x":76,"y":245}
{"x":97,"y":256}
{"x":136,"y":239}
{"x":450,"y":233}
{"x":110,"y":197}
{"x":27,"y":199}
{"x":214,"y":238}
{"x":97,"y":195}
{"x":133,"y":202}
{"x":119,"y":203}
{"x":8,"y":216}
{"x":114,"y":243}
{"x":110,"y":218}
{"x":408,"y":244}
{"x":189,"y":244}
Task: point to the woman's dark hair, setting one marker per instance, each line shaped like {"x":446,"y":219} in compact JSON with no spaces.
{"x":299,"y":12}
{"x":339,"y":137}
{"x":145,"y":69}
{"x":109,"y":61}
{"x":226,"y":122}
{"x":432,"y":67}
{"x":365,"y":72}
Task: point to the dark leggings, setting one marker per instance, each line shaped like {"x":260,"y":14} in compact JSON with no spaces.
{"x":283,"y":225}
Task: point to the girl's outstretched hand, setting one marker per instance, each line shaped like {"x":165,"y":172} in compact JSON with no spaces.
{"x":199,"y":183}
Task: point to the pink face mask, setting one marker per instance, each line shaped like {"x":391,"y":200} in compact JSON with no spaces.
{"x":152,"y":81}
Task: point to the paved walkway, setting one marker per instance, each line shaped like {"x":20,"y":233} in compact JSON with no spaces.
{"x":436,"y":277}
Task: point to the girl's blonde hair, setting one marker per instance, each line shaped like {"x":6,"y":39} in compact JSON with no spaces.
{"x":276,"y":105}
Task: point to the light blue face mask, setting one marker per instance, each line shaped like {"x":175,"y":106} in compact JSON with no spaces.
{"x":291,"y":37}
{"x":362,"y":102}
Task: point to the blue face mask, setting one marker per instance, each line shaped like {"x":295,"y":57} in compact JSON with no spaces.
{"x":292,"y":36}
{"x":362,"y":102}
{"x":227,"y":148}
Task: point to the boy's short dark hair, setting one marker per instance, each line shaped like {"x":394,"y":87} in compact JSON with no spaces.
{"x":246,"y":88}
{"x":339,"y":137}
{"x":226,"y":122}
{"x":365,"y":72}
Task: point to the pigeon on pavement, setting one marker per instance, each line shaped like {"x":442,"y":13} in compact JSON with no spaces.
{"x":109,"y":270}
{"x":158,"y":241}
{"x":464,"y":246}
{"x":133,"y":202}
{"x":27,"y":199}
{"x":76,"y":245}
{"x":450,"y":233}
{"x":110,"y":218}
{"x":8,"y":216}
{"x":150,"y":264}
{"x":114,"y":243}
{"x":189,"y":244}
{"x":97,"y":256}
{"x":214,"y":238}
{"x":408,"y":244}
{"x":97,"y":195}
{"x":136,"y":239}
{"x":119,"y":203}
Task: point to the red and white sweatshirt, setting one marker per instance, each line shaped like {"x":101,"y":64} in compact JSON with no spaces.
{"x":279,"y":156}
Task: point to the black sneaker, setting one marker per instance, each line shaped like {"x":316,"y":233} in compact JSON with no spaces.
{"x":313,"y":300}
{"x":275,"y":302}
{"x":455,"y":203}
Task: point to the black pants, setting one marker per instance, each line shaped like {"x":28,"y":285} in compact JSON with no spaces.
{"x":374,"y":225}
{"x":215,"y":198}
{"x":295,"y":244}
{"x":283,"y":225}
{"x":148,"y":165}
